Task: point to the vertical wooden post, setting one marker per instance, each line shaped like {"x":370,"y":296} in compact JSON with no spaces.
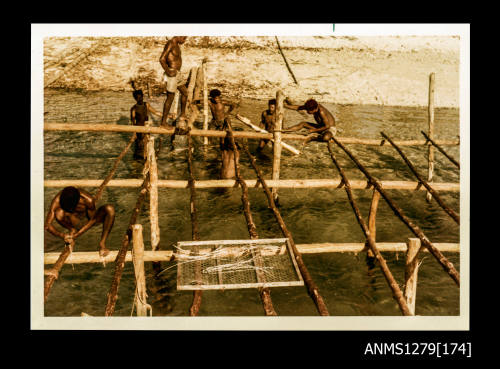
{"x":150,"y":94}
{"x":411,"y":272}
{"x":175,"y":105}
{"x":431,"y":133}
{"x":205,"y":102}
{"x":277,"y":141}
{"x":153,"y":194}
{"x":372,"y":220}
{"x":140,"y":278}
{"x":190,"y":89}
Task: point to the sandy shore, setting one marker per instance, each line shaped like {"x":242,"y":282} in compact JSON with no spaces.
{"x":343,"y":70}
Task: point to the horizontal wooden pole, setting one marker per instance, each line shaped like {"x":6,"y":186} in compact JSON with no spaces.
{"x":237,"y":134}
{"x":310,"y":248}
{"x":228,"y":183}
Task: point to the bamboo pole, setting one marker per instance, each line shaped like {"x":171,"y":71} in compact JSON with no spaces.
{"x":441,"y":203}
{"x":120,"y":257}
{"x":83,"y":257}
{"x":370,"y":238}
{"x":443,"y":261}
{"x":431,"y":133}
{"x":197,"y":294}
{"x":261,"y":130}
{"x":150,"y":93}
{"x":99,"y":127}
{"x":457,"y":164}
{"x":140,"y":278}
{"x":411,"y":272}
{"x":372,"y":220}
{"x":54,"y":271}
{"x":277,"y":141}
{"x":265,"y":292}
{"x":106,"y":180}
{"x":311,"y":286}
{"x":153,"y":194}
{"x":191,"y":85}
{"x":205,"y":100}
{"x":253,"y":183}
{"x":286,"y":61}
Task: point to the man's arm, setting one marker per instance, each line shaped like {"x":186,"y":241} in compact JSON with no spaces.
{"x":50,"y":218}
{"x":263,"y":119}
{"x":230,"y":104}
{"x":153,"y":111}
{"x":132,"y":116}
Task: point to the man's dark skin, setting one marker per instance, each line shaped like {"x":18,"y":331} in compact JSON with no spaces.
{"x":70,"y":220}
{"x":138,"y":116}
{"x":171,"y":62}
{"x":217,"y":107}
{"x":324,"y":121}
{"x":267,"y":121}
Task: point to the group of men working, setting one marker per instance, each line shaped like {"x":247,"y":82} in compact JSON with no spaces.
{"x":72,"y":205}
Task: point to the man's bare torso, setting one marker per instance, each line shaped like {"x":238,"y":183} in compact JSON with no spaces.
{"x":174,"y":58}
{"x":217,"y":110}
{"x":323,"y":117}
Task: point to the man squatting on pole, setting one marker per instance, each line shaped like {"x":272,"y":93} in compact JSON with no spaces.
{"x":69,"y":207}
{"x":171,"y":62}
{"x":324,"y":128}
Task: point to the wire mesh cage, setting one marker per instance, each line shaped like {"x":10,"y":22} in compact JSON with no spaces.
{"x":233,"y":264}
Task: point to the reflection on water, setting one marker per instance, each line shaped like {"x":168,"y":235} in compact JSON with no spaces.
{"x":349,"y":284}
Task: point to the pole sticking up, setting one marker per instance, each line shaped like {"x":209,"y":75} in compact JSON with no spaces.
{"x":445,"y":263}
{"x":265,"y":293}
{"x":311,"y":286}
{"x":457,"y":164}
{"x":396,"y":291}
{"x":441,"y":203}
{"x":411,"y":273}
{"x":205,"y":100}
{"x":120,"y":258}
{"x":140,"y":299}
{"x":286,"y":61}
{"x":197,"y":294}
{"x":431,"y":133}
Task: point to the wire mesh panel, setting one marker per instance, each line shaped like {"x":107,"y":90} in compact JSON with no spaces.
{"x":232,"y":264}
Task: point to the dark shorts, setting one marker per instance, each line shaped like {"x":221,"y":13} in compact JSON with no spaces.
{"x":217,"y":123}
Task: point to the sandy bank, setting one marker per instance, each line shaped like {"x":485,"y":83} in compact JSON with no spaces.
{"x":343,"y":70}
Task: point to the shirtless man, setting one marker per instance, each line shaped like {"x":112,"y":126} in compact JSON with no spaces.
{"x":171,"y":62}
{"x":221,"y":122}
{"x":138,"y":117}
{"x":69,"y":207}
{"x":323,"y":129}
{"x":267,"y":121}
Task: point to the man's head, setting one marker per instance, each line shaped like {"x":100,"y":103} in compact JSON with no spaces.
{"x":311,"y":106}
{"x":138,"y":95}
{"x":180,"y":39}
{"x":272,"y":105}
{"x":215,"y":94}
{"x":70,"y":196}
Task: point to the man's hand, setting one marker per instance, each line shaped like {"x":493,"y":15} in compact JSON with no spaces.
{"x":68,"y":239}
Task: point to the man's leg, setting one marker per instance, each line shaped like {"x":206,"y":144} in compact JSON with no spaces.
{"x":183,"y":90}
{"x":166,"y":108}
{"x":298,"y":127}
{"x":106,"y":215}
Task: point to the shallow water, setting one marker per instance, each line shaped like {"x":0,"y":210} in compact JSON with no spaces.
{"x":347,"y":283}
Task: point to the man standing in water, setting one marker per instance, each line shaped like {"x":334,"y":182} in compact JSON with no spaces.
{"x":267,"y":121}
{"x":171,"y":62}
{"x":221,"y":122}
{"x":139,"y":116}
{"x":324,"y":128}
{"x":69,"y":207}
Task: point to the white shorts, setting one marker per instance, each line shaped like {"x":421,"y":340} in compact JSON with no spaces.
{"x":171,"y":82}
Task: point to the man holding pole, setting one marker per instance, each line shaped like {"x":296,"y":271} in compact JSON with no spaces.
{"x":171,"y":62}
{"x":323,"y":129}
{"x":69,"y":207}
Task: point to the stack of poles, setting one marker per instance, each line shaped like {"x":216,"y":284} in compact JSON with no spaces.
{"x":265,"y":292}
{"x":397,"y":294}
{"x":112,"y":295}
{"x":311,"y":286}
{"x":50,"y":279}
{"x":443,"y":261}
{"x":422,"y":181}
{"x":430,"y":149}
